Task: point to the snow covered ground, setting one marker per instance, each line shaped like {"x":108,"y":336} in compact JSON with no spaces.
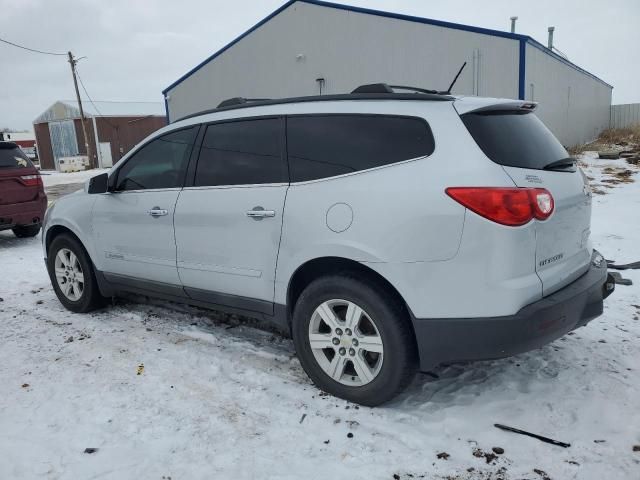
{"x":166,"y":391}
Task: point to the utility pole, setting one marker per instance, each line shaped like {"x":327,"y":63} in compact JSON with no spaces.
{"x":73,"y":62}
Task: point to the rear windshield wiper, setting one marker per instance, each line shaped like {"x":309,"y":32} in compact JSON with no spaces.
{"x":562,"y":164}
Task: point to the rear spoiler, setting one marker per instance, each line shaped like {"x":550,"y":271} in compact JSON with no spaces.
{"x":477,"y":105}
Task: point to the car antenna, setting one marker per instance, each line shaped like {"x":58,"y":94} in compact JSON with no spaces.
{"x":456,"y":79}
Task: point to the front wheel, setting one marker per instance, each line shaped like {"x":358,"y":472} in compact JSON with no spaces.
{"x":26,"y":231}
{"x":354,"y":339}
{"x":72,"y":275}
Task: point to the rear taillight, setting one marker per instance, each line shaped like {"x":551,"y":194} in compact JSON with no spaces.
{"x":31,"y":180}
{"x":508,"y":206}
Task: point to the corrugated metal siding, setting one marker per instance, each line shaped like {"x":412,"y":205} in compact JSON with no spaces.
{"x":348,"y":49}
{"x":63,"y":139}
{"x":43,"y":143}
{"x":126,"y":132}
{"x":575,"y":106}
{"x":625,"y":115}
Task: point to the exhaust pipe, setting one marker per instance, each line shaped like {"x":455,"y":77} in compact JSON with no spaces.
{"x":550,"y":42}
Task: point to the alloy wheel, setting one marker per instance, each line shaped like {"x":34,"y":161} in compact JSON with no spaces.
{"x":69,"y":274}
{"x":346,"y":342}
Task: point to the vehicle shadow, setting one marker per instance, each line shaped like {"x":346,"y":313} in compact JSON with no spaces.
{"x":9,"y":240}
{"x":265,"y":347}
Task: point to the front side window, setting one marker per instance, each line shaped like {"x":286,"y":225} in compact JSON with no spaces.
{"x":243,"y":152}
{"x":322,"y":146}
{"x":161,"y":163}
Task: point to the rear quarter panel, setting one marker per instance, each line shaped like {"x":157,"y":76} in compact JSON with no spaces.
{"x":400,"y":212}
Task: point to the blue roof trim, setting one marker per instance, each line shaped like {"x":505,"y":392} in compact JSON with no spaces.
{"x":380,"y":13}
{"x":229,"y":45}
{"x":522,"y":68}
{"x":539,"y":46}
{"x":411,"y":18}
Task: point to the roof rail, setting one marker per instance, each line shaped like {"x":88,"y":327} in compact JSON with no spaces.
{"x":373,"y":88}
{"x":385,"y":88}
{"x":239,"y":101}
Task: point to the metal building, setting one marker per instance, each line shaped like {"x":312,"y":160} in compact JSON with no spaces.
{"x":114,"y":127}
{"x":310,"y":47}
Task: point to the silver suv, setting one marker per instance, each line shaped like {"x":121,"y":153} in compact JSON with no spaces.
{"x":386,"y":232}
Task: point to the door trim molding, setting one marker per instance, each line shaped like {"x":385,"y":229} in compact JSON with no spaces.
{"x":111,"y":283}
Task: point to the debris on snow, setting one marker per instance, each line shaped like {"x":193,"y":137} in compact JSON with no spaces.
{"x":533,"y":435}
{"x":542,"y":473}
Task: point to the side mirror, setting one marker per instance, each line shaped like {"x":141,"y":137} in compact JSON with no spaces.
{"x":99,"y":184}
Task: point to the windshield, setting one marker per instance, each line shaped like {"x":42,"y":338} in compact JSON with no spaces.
{"x":514,"y":139}
{"x":12,"y":156}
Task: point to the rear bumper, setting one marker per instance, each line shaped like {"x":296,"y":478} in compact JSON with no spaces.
{"x":26,"y":213}
{"x":450,"y":340}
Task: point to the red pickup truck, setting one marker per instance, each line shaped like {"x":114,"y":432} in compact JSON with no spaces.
{"x":22,"y":198}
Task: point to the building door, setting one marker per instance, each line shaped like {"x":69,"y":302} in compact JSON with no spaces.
{"x":63,"y":140}
{"x":105,"y":155}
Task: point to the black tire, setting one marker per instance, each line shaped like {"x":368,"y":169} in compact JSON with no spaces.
{"x":399,"y":363}
{"x":90,"y":298}
{"x":26,"y":231}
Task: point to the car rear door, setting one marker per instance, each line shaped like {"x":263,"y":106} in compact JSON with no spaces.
{"x":229,"y":220}
{"x":133,"y":222}
{"x":533,"y":157}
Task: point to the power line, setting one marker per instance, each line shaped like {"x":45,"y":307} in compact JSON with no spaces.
{"x":30,"y":49}
{"x":90,"y":100}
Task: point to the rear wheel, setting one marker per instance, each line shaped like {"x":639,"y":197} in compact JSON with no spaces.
{"x":72,"y":275}
{"x":26,"y":231}
{"x":354,"y":340}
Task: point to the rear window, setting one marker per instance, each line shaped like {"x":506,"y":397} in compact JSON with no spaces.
{"x":514,"y":139}
{"x":322,"y":146}
{"x":13,"y":157}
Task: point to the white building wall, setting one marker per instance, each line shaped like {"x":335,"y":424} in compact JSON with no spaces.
{"x":574,"y":105}
{"x":285,"y":56}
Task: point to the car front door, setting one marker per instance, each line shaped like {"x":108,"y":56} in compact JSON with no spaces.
{"x":228,"y":221}
{"x":133,"y":222}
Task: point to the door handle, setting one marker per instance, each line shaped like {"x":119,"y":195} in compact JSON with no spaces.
{"x":158,"y":212}
{"x":258,"y":213}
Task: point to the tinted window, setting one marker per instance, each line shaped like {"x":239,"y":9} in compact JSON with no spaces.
{"x":514,"y":139}
{"x":325,"y":146}
{"x":161,"y":163}
{"x":13,"y":157}
{"x":241,"y":153}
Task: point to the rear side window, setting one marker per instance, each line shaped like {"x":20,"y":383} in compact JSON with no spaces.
{"x":161,"y":163}
{"x":244,"y":152}
{"x":322,"y":146}
{"x":514,"y":139}
{"x":12,"y":156}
